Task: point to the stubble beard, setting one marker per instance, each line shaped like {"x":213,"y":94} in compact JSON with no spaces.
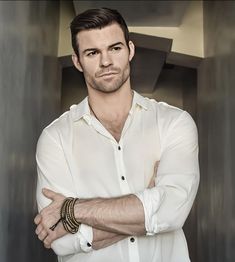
{"x":110,"y":86}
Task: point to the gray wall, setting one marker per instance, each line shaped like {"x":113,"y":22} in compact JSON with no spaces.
{"x":216,"y":115}
{"x":29,"y":99}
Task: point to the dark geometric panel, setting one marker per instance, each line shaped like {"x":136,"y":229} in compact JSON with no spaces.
{"x":146,"y":13}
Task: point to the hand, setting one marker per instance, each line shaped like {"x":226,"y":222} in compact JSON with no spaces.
{"x":48,"y":217}
{"x":152,"y":180}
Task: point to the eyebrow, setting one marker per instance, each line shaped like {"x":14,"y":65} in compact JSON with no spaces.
{"x":95,"y":49}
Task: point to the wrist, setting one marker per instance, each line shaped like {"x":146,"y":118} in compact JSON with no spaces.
{"x":78,"y":210}
{"x":67,"y":216}
{"x":85,"y":211}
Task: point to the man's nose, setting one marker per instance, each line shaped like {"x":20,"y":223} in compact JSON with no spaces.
{"x":105,"y":59}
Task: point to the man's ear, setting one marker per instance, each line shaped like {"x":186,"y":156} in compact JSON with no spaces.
{"x":132,"y":50}
{"x":76,"y":62}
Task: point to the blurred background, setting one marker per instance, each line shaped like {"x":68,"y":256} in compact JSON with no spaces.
{"x":185,"y":57}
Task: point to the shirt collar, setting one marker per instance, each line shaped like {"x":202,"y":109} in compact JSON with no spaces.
{"x":139,"y":100}
{"x":82,"y":110}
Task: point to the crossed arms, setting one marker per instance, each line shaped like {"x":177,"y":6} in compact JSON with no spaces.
{"x":162,"y":208}
{"x":111,"y":219}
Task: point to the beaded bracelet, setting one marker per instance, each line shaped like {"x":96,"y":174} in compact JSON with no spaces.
{"x":70,"y":224}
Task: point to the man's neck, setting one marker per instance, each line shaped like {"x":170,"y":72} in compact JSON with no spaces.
{"x":111,"y":106}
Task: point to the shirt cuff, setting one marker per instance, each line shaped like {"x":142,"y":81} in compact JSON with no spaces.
{"x":151,"y":200}
{"x":66,"y":245}
{"x":86,"y":237}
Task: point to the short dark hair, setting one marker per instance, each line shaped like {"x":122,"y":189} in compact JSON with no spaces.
{"x":96,"y":18}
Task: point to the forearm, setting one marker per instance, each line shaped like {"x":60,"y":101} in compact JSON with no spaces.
{"x":122,"y":215}
{"x":102,"y":239}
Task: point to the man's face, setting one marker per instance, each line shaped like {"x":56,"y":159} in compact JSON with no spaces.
{"x":104,"y":58}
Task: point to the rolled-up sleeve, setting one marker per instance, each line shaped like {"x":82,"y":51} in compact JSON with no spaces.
{"x":167,"y":205}
{"x":53,"y":173}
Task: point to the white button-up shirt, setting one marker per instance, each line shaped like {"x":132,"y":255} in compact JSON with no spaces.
{"x":78,"y":157}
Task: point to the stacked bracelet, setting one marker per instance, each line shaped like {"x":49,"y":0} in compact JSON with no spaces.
{"x":70,"y":224}
{"x":67,"y":215}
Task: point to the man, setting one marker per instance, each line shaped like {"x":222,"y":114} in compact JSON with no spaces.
{"x":131,"y":162}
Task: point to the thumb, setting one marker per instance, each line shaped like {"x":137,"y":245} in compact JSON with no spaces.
{"x":49,"y":193}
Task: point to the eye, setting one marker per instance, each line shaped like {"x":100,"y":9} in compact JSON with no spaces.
{"x":92,"y":53}
{"x":116,"y":48}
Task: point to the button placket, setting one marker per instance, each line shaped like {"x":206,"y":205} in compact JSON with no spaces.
{"x":133,"y":249}
{"x":132,"y":239}
{"x":132,"y":246}
{"x":120,"y":168}
{"x":101,"y":129}
{"x":121,"y":164}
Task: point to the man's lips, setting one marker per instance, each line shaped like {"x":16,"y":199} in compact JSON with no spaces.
{"x":108,"y":74}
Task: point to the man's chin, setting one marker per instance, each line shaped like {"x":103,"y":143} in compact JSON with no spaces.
{"x":111,"y":91}
{"x":108,"y":90}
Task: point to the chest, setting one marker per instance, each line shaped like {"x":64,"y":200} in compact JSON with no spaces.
{"x":107,"y":168}
{"x":114,"y":128}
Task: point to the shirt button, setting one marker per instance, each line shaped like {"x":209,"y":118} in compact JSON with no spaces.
{"x":132,"y":239}
{"x":123,"y":178}
{"x":119,"y":148}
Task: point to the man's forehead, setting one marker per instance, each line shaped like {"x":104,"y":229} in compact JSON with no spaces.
{"x":110,"y":33}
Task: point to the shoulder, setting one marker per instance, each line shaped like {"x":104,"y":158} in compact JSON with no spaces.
{"x":164,"y":112}
{"x":61,"y":126}
{"x":64,"y":122}
{"x":161,"y":110}
{"x":50,"y":135}
{"x":57,"y":125}
{"x":171,"y":118}
{"x":167,"y":112}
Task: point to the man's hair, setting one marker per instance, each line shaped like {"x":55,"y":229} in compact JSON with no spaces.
{"x":94,"y":19}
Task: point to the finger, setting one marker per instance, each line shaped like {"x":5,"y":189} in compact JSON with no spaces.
{"x":47,"y":246}
{"x":47,"y":242}
{"x":49,"y":193}
{"x":152,"y":182}
{"x":39,"y":229}
{"x":37,"y":219}
{"x":156,"y":167}
{"x":42,"y":235}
